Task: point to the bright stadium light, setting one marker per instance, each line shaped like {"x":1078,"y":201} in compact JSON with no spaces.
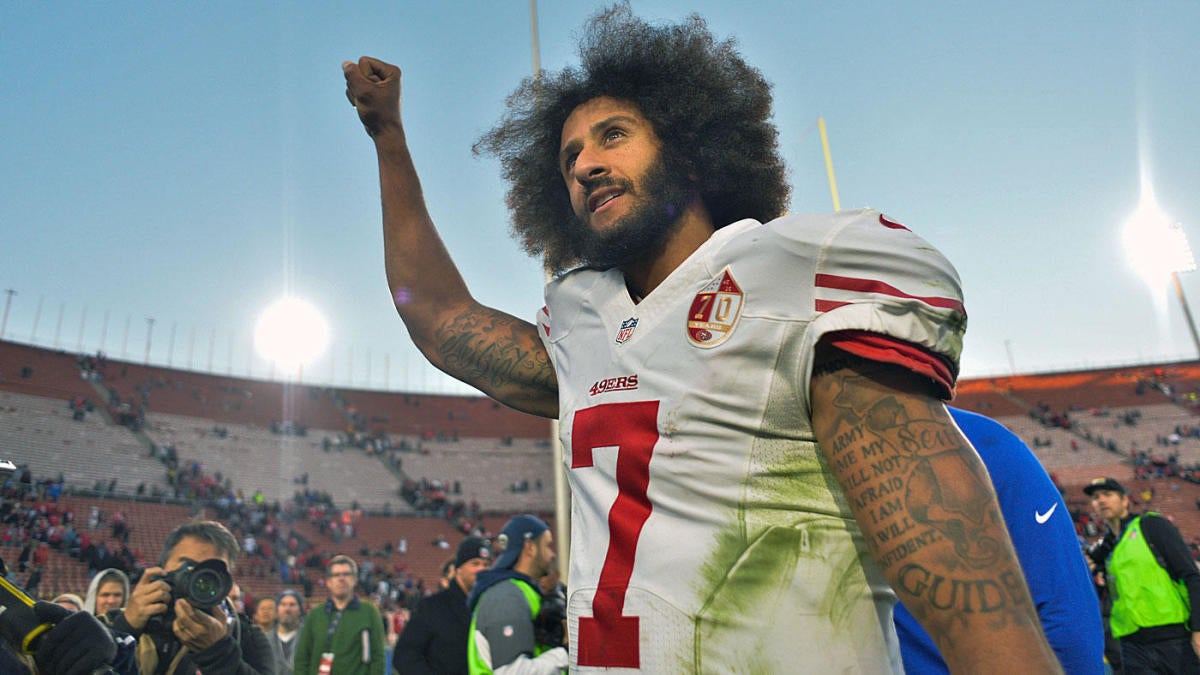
{"x":1158,"y":250}
{"x":1156,"y":246}
{"x":291,"y":333}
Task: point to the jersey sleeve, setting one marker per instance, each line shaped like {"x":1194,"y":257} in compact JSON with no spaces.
{"x":884,"y":294}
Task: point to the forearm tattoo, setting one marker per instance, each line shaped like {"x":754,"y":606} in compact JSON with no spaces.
{"x":495,"y":351}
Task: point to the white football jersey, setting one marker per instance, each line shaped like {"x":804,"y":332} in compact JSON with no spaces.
{"x":708,"y":535}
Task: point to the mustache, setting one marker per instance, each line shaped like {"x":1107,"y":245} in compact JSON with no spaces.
{"x":592,"y":184}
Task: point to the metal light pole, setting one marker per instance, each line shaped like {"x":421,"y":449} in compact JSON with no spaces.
{"x":7,"y":303}
{"x":149,"y":334}
{"x":1187,"y":313}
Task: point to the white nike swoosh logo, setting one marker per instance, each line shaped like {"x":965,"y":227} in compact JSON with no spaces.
{"x":1043,"y":517}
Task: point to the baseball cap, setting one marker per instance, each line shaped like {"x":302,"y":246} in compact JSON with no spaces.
{"x":471,"y":548}
{"x":1106,"y":483}
{"x":512,"y":538}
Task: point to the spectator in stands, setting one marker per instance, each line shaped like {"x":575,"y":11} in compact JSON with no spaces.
{"x":34,"y":581}
{"x":506,"y":602}
{"x":435,"y":639}
{"x":107,"y":592}
{"x":345,"y":636}
{"x":192,"y":641}
{"x":264,"y":615}
{"x":289,"y":612}
{"x":1154,"y":582}
{"x":1044,"y":537}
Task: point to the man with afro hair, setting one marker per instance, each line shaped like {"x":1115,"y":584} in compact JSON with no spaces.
{"x":751,"y":403}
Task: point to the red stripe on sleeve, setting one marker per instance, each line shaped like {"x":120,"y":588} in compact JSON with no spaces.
{"x":829,"y":305}
{"x":892,"y":224}
{"x":857,"y":285}
{"x":885,"y":349}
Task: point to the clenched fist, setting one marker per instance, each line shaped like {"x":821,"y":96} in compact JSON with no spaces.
{"x":373,"y":88}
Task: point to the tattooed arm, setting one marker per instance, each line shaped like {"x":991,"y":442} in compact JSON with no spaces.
{"x":484,"y":347}
{"x":929,"y":514}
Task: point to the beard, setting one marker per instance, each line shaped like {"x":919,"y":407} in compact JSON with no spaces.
{"x":643,"y":232}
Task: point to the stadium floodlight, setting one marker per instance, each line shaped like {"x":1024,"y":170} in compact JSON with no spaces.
{"x":1158,"y":250}
{"x":291,"y":333}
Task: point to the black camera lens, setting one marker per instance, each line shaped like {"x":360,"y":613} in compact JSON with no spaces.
{"x":206,"y":588}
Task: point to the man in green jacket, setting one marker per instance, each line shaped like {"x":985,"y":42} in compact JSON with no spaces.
{"x":1154,"y":585}
{"x":345,"y":637}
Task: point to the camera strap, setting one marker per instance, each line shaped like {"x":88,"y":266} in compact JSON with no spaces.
{"x":333,"y":626}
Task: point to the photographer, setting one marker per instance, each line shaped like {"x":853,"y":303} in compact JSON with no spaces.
{"x":1154,"y":584}
{"x":176,"y":635}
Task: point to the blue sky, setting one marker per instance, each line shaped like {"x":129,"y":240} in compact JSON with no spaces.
{"x":191,"y":162}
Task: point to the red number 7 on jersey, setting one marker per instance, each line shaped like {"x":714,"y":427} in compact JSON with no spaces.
{"x":608,"y":638}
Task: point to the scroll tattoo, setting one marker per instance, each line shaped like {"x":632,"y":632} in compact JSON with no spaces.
{"x":943,"y":490}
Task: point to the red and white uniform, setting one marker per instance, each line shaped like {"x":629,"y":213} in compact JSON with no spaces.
{"x":707,"y":533}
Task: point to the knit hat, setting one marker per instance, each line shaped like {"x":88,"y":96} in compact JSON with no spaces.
{"x":71,"y":598}
{"x":472,"y":548}
{"x":513,"y":537}
{"x":295,"y":594}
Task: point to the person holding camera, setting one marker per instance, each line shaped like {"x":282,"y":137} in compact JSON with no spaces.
{"x":179,"y":613}
{"x":346,"y":635}
{"x":1153,"y":582}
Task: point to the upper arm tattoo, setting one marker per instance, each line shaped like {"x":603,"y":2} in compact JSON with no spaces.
{"x":920,"y":493}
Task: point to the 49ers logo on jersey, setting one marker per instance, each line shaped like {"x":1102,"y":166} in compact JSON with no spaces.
{"x":715,"y":311}
{"x":624,"y":383}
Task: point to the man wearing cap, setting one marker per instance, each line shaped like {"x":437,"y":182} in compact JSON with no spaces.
{"x":506,"y":602}
{"x":435,"y":639}
{"x":289,"y":613}
{"x":1154,"y":584}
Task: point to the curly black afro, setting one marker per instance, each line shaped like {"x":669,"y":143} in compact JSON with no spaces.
{"x":710,"y":109}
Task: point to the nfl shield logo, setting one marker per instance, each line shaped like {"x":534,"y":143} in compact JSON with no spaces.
{"x":626,"y":331}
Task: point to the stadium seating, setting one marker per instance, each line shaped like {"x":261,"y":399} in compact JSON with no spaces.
{"x":1140,"y":424}
{"x":41,"y":433}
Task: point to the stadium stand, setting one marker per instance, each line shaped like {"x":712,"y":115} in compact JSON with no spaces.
{"x":259,"y":460}
{"x":86,"y":449}
{"x":312,"y":471}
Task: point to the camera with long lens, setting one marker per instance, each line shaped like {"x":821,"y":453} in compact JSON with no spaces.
{"x":203,"y":584}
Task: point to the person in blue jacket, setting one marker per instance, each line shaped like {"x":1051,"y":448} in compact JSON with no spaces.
{"x":1042,"y":532}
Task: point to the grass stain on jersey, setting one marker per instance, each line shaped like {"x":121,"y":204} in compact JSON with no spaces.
{"x":785,"y":570}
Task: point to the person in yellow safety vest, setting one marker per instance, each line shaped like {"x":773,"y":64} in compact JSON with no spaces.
{"x":1154,"y":583}
{"x":505,"y":605}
